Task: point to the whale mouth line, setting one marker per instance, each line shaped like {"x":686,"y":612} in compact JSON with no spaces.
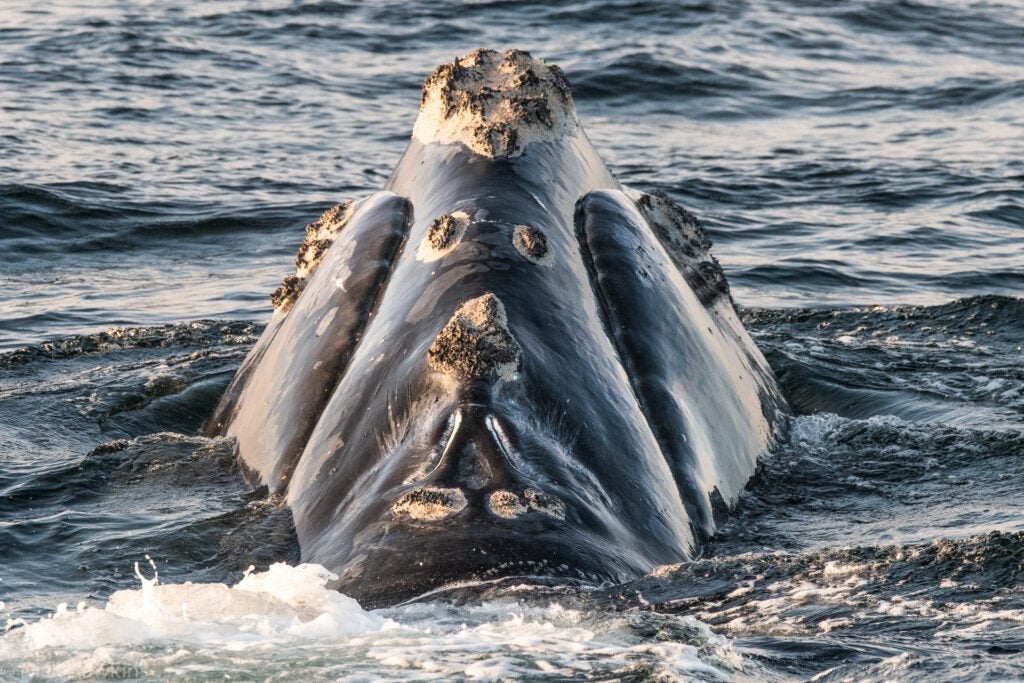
{"x":537,"y":580}
{"x":436,"y":559}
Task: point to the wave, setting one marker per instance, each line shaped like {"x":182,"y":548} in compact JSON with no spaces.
{"x":955,"y":362}
{"x":650,"y":77}
{"x":933,"y":25}
{"x":75,"y":526}
{"x":906,"y":612}
{"x":195,"y":333}
{"x":72,"y":218}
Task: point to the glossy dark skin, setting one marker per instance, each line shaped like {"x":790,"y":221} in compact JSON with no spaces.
{"x":639,"y":402}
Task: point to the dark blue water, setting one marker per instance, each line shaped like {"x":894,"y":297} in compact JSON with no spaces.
{"x":860,"y":167}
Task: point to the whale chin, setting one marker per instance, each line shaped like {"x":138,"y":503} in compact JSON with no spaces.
{"x":471,"y":492}
{"x":410,"y":561}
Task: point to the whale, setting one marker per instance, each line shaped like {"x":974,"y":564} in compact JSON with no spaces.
{"x":503,"y":366}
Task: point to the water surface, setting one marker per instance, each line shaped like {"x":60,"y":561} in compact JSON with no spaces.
{"x":859,"y":167}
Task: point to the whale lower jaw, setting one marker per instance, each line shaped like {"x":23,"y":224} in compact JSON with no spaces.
{"x":407,"y":563}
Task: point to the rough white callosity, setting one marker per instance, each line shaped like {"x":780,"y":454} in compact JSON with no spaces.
{"x":476,"y":344}
{"x":444,"y":234}
{"x":320,"y":235}
{"x":430,"y":503}
{"x":496,"y":104}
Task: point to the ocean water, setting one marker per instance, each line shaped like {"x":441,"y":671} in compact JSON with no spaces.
{"x":859,"y":165}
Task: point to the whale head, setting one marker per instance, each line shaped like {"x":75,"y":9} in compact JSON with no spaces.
{"x":504,"y":364}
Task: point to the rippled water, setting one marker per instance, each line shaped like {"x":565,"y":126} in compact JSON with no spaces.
{"x":859,"y":165}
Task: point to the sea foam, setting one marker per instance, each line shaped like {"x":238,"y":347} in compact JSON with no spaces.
{"x":285,"y":622}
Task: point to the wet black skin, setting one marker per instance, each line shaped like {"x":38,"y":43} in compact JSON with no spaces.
{"x":626,"y":405}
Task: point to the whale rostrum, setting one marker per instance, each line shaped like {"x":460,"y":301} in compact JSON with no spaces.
{"x":504,"y":364}
{"x":496,"y":105}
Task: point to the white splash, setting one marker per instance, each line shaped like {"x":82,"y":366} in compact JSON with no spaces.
{"x":285,"y":623}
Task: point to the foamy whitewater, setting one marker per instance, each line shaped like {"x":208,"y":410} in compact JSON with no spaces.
{"x":283,"y":623}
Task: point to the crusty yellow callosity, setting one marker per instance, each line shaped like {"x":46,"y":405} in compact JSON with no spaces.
{"x":443,"y":235}
{"x":320,"y":236}
{"x":496,"y":104}
{"x":476,"y":342}
{"x":430,"y":504}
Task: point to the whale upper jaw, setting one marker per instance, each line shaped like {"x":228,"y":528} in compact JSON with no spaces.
{"x":482,"y":500}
